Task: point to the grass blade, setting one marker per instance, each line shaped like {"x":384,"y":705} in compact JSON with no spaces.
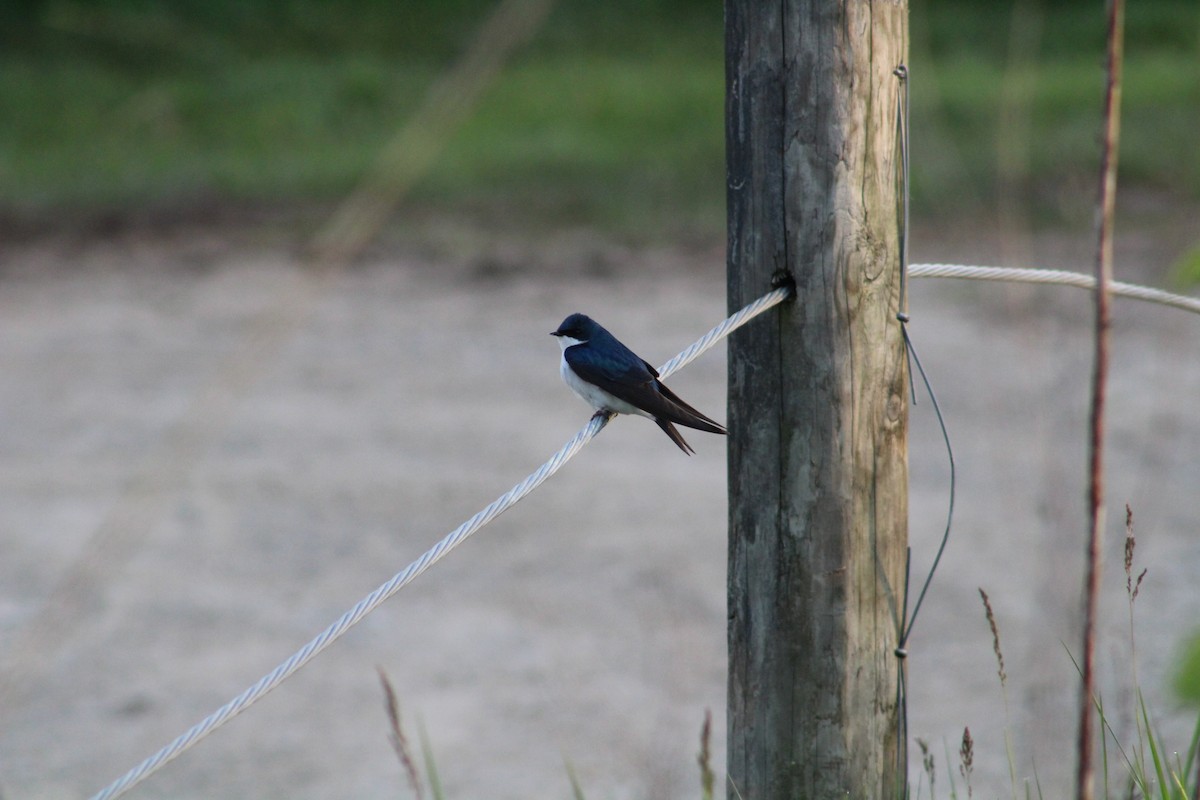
{"x":1155,"y":756}
{"x":576,"y":789}
{"x":435,"y":781}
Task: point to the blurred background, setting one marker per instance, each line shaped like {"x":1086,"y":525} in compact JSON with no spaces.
{"x":214,"y":441}
{"x":609,"y":118}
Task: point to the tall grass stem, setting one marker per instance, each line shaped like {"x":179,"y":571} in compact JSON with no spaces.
{"x":1105,"y":208}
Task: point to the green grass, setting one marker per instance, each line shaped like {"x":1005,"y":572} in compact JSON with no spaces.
{"x":611,"y":118}
{"x":82,"y":136}
{"x":959,"y":161}
{"x":595,"y":140}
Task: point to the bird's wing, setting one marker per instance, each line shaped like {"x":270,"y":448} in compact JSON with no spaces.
{"x":635,"y":382}
{"x":622,"y":375}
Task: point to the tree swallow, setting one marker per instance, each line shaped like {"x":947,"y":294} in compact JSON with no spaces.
{"x":610,"y":377}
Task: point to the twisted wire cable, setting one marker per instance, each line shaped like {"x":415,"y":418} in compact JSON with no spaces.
{"x":1053,"y":276}
{"x":369,"y":603}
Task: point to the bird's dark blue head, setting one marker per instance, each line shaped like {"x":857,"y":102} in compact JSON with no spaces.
{"x":579,"y":327}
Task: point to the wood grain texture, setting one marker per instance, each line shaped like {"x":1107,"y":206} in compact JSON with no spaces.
{"x":817,"y":405}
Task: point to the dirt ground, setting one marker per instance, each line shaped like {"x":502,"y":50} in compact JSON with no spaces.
{"x":207,"y":455}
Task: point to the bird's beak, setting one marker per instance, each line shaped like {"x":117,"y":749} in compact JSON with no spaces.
{"x":555,"y":333}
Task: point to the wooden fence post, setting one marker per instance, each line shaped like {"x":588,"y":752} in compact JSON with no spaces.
{"x":818,"y":409}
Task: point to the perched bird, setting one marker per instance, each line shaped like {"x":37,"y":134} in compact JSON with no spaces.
{"x":611,"y":377}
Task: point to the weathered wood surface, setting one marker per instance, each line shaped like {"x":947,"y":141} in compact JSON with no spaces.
{"x":817,"y":399}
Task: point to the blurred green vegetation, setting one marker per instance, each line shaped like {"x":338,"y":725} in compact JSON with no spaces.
{"x":611,"y":118}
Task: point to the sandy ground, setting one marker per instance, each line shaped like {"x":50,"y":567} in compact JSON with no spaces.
{"x":206,"y":457}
